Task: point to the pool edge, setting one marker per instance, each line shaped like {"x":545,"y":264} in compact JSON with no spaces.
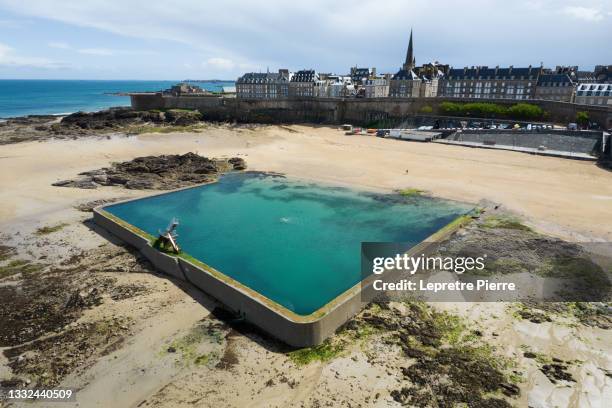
{"x":275,"y":319}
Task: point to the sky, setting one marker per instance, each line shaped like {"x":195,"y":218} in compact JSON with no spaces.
{"x":203,"y":39}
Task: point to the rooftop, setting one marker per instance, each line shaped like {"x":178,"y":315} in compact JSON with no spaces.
{"x":261,"y":78}
{"x":485,"y":72}
{"x":594,"y":90}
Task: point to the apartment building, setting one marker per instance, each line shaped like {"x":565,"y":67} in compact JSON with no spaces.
{"x":268,"y":85}
{"x":555,"y":87}
{"x":490,"y":83}
{"x":304,"y":83}
{"x":594,"y":94}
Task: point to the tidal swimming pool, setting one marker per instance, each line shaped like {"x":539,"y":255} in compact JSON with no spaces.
{"x":296,"y":243}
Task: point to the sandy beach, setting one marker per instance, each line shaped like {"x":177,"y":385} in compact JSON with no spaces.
{"x":155,"y":327}
{"x":562,"y":197}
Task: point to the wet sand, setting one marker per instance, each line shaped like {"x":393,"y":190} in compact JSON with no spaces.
{"x":570,"y":199}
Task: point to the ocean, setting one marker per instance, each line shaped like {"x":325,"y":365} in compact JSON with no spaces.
{"x":55,"y":97}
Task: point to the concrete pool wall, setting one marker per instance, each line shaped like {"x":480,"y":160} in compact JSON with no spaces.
{"x":275,"y":319}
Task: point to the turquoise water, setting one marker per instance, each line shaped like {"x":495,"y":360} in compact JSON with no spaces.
{"x":52,"y":97}
{"x":296,"y":243}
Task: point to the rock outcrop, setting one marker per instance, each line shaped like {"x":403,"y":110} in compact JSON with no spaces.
{"x":164,"y":172}
{"x":105,"y":122}
{"x":120,"y":118}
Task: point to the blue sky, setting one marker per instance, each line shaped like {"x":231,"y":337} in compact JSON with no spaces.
{"x":138,"y":39}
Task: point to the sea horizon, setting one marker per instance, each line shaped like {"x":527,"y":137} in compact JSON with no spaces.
{"x":24,"y":97}
{"x":117,"y":80}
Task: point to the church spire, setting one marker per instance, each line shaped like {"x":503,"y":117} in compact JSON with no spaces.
{"x":410,"y":60}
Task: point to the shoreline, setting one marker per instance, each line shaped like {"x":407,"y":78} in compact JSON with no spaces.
{"x":58,"y":115}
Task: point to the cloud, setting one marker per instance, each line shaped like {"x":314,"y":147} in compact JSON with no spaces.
{"x":137,"y":18}
{"x":584,"y":13}
{"x":328,"y":36}
{"x":109,"y":52}
{"x":8,"y":58}
{"x":98,"y":51}
{"x":220,"y":63}
{"x":4,"y":50}
{"x":102,"y":52}
{"x":220,"y":66}
{"x":59,"y":45}
{"x":13,"y":24}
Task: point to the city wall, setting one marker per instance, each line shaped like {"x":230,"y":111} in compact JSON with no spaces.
{"x":340,"y":110}
{"x":577,"y":144}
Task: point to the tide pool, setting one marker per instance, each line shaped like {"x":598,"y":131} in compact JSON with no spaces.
{"x":297,"y":243}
